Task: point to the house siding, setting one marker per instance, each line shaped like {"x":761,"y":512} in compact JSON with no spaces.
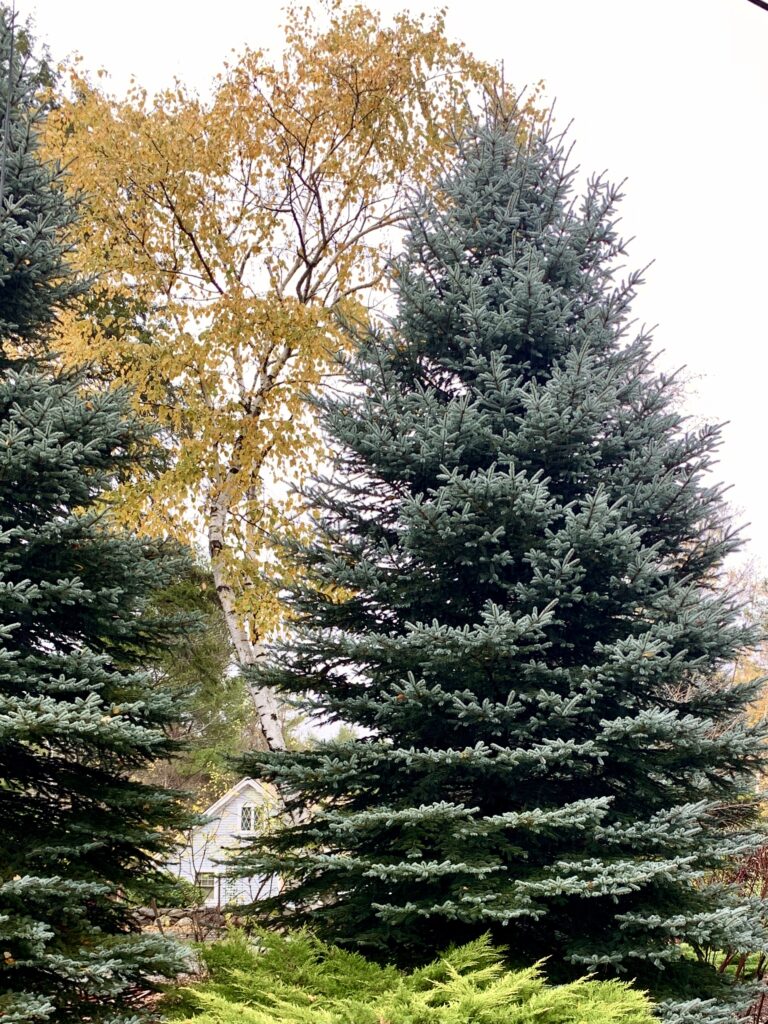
{"x":213,"y":842}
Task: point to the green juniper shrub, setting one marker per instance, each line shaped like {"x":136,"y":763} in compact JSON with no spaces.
{"x":296,"y":979}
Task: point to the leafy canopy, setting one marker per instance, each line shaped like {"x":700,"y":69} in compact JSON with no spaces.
{"x":225,"y":229}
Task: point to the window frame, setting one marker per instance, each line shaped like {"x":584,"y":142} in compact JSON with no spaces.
{"x":206,"y":891}
{"x":250,"y":808}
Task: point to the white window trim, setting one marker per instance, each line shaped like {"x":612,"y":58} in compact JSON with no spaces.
{"x":207,"y":888}
{"x":253,"y":819}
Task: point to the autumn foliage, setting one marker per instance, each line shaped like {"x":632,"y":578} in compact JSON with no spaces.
{"x":227,"y":233}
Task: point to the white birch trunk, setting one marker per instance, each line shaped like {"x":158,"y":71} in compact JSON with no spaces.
{"x":246,"y":651}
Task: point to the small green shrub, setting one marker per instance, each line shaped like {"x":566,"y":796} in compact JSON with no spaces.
{"x":300,"y":980}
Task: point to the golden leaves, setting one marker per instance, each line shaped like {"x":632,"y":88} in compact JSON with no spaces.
{"x":224,"y":231}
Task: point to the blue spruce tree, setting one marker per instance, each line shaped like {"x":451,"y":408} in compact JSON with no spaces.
{"x":512,"y":592}
{"x":78,"y":715}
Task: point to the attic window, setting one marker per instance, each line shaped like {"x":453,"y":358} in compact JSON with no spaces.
{"x":247,"y":818}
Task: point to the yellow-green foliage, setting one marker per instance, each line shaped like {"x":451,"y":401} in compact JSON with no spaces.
{"x":299,"y":980}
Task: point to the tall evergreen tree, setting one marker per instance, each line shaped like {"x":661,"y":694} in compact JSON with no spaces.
{"x":512,"y":591}
{"x":78,"y":715}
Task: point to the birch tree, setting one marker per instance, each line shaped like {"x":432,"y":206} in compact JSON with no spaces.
{"x":227,"y":234}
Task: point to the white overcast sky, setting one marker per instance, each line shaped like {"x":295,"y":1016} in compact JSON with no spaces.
{"x":670,"y":94}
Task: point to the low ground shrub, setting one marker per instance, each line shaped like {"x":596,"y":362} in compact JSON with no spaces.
{"x":297,"y":979}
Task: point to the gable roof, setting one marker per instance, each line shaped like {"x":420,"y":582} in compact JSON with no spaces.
{"x":237,"y":788}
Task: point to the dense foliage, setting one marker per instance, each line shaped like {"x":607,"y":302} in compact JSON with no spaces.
{"x":78,"y":714}
{"x":216,"y":719}
{"x":299,"y":980}
{"x":512,"y":592}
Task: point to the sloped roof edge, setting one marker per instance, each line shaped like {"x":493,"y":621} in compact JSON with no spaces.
{"x":233,"y":791}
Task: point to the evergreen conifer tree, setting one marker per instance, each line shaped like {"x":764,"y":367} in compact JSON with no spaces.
{"x":512,"y":591}
{"x":78,"y":715}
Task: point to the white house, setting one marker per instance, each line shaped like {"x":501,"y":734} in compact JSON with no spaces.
{"x":232,"y":818}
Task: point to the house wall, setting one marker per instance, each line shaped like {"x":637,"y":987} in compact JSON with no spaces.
{"x":210,"y":844}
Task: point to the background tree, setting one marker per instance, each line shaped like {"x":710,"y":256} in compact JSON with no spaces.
{"x":225,"y":232}
{"x":78,"y":712}
{"x":512,"y":592}
{"x":748,"y":583}
{"x":215,"y":717}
